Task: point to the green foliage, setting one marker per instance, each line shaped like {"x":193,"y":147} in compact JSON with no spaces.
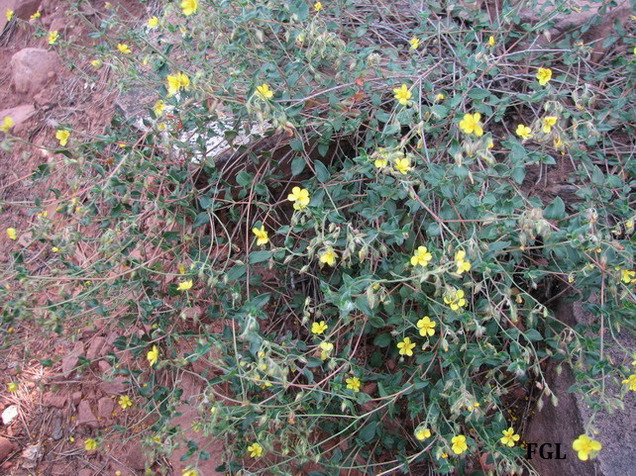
{"x":343,"y":137}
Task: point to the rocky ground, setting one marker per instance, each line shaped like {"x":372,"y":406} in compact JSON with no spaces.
{"x":67,"y":387}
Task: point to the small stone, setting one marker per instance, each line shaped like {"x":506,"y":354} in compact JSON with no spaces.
{"x":116,"y":387}
{"x":105,"y":407}
{"x":104,"y":366}
{"x":85,"y":415}
{"x":95,"y":347}
{"x":135,"y":457}
{"x":76,"y":397}
{"x":50,"y":399}
{"x":70,"y":361}
{"x":6,"y":448}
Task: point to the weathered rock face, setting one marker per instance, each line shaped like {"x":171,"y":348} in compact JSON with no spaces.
{"x":32,"y":69}
{"x":565,"y":422}
{"x":582,"y":12}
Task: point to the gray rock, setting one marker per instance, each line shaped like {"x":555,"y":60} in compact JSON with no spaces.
{"x":565,"y":422}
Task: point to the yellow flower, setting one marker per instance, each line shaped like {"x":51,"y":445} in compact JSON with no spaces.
{"x":381,"y":163}
{"x":440,"y":97}
{"x":96,"y":63}
{"x":125,"y":402}
{"x":406,"y":347}
{"x":491,"y":41}
{"x":300,"y":197}
{"x":255,"y":450}
{"x":261,"y":235}
{"x":123,"y":47}
{"x":9,"y":14}
{"x":459,"y":444}
{"x":62,"y":136}
{"x":444,"y":455}
{"x":153,"y":22}
{"x":491,"y":144}
{"x":354,"y":384}
{"x":455,"y":299}
{"x":415,"y":43}
{"x":328,"y":256}
{"x":470,"y":124}
{"x":422,"y":434}
{"x":90,"y":444}
{"x":184,"y":285}
{"x":319,"y":327}
{"x":403,"y":165}
{"x":189,"y":7}
{"x":402,"y":94}
{"x":190,"y":472}
{"x":153,"y":355}
{"x":421,"y":257}
{"x":462,"y":264}
{"x":264,"y":92}
{"x":325,"y":350}
{"x":631,"y":382}
{"x":12,"y":387}
{"x":53,"y":37}
{"x":426,"y":326}
{"x":159,"y":107}
{"x":176,"y":82}
{"x":524,"y":131}
{"x":12,"y":233}
{"x":7,"y":124}
{"x":628,"y":276}
{"x":586,"y":447}
{"x":544,"y":75}
{"x":37,"y":14}
{"x":509,"y":437}
{"x":317,"y":6}
{"x":548,"y":122}
{"x":55,"y":249}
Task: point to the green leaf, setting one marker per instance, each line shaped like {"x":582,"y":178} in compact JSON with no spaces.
{"x":478,"y":93}
{"x":260,"y":256}
{"x":298,"y":165}
{"x":382,"y":340}
{"x":519,"y":173}
{"x":297,"y":145}
{"x":322,"y":174}
{"x":555,"y":210}
{"x":368,"y":431}
{"x":201,"y":219}
{"x":533,"y":335}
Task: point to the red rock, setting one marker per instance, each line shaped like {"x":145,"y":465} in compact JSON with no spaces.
{"x":19,"y":114}
{"x":105,"y":407}
{"x":50,"y":399}
{"x":116,"y":387}
{"x":135,"y":457}
{"x":95,"y":347}
{"x":70,"y":361}
{"x":76,"y":397}
{"x":104,"y":366}
{"x":32,"y":69}
{"x":85,"y":415}
{"x":25,"y":8}
{"x":6,"y":448}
